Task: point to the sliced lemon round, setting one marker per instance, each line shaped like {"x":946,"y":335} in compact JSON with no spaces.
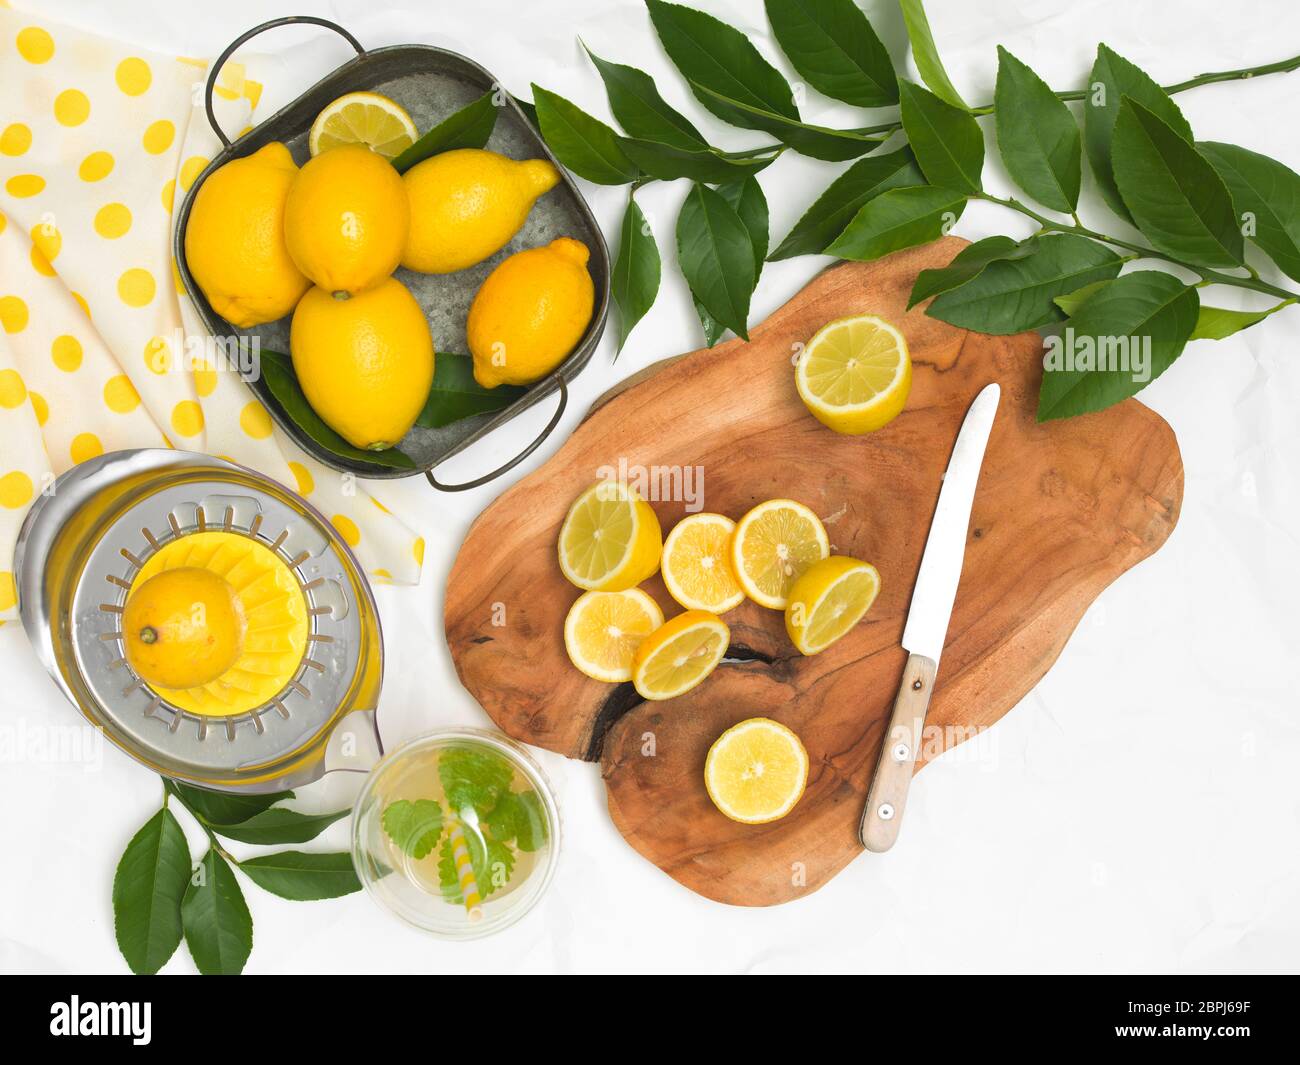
{"x":772,"y":547}
{"x":604,"y":630}
{"x":366,"y":118}
{"x":697,"y":564}
{"x":610,"y":539}
{"x":756,"y":771}
{"x":679,"y":655}
{"x":829,"y":599}
{"x":854,"y":374}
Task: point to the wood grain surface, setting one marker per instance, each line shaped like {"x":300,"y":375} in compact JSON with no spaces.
{"x":1062,"y":509}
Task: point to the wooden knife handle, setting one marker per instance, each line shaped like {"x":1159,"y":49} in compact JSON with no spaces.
{"x":888,"y":793}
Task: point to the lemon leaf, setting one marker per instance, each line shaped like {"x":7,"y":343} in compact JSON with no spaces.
{"x":470,"y":127}
{"x":455,"y":394}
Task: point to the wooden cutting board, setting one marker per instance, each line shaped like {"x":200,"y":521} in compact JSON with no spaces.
{"x":1062,"y":509}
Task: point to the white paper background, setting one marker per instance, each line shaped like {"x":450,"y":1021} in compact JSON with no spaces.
{"x":1139,"y":811}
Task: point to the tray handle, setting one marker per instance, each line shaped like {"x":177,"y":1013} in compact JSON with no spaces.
{"x":288,"y":20}
{"x":479,"y":481}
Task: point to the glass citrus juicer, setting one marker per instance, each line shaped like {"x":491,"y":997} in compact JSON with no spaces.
{"x":284,"y":699}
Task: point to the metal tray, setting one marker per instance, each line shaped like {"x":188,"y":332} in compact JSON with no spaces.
{"x":430,"y":83}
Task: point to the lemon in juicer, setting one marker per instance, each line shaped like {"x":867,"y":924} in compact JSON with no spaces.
{"x":215,"y":623}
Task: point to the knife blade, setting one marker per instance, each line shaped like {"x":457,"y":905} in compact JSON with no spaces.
{"x":926,"y":628}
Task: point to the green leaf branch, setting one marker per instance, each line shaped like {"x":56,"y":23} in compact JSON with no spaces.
{"x":160,"y":896}
{"x":1195,"y":205}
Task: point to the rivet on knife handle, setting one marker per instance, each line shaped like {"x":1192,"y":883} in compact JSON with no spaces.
{"x":884,"y":813}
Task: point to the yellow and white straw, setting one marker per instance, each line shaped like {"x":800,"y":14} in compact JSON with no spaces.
{"x":465,"y":871}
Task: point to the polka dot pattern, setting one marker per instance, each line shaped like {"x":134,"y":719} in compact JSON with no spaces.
{"x":71,"y":107}
{"x":66,"y":353}
{"x":85,"y":446}
{"x":347,"y":528}
{"x":255,"y":421}
{"x":96,"y":166}
{"x":13,"y":314}
{"x":303,"y":476}
{"x":12,"y":390}
{"x":120,"y":395}
{"x":24,"y":186}
{"x":136,"y":287}
{"x":16,"y":139}
{"x":187,"y":418}
{"x":133,"y":76}
{"x":159,"y":136}
{"x":16,"y":490}
{"x":35,"y":45}
{"x":113,"y":221}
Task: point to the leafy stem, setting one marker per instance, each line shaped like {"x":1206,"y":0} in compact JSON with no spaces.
{"x":1281,"y":67}
{"x":1252,"y":282}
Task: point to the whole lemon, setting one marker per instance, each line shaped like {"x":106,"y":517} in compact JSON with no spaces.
{"x":365,"y":364}
{"x":467,"y":204}
{"x":234,"y":242}
{"x":183,"y":627}
{"x":346,"y":219}
{"x":529,"y":313}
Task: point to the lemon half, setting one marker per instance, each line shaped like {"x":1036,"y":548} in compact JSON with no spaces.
{"x":610,"y":539}
{"x":697,"y":564}
{"x":679,"y":655}
{"x":829,"y":599}
{"x":604,"y":629}
{"x":854,"y":375}
{"x":363,"y":118}
{"x":772,"y":547}
{"x":756,"y":771}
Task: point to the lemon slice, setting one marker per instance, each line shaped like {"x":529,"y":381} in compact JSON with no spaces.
{"x":772,"y":547}
{"x":697,"y":564}
{"x":679,"y":655}
{"x":755,"y":772}
{"x":604,"y":630}
{"x":610,"y":539}
{"x":829,"y":599}
{"x":363,"y":118}
{"x":855,"y":374}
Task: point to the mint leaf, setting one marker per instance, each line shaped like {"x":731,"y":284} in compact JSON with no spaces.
{"x":518,"y":816}
{"x":473,"y":778}
{"x":414,"y":826}
{"x":493,"y":864}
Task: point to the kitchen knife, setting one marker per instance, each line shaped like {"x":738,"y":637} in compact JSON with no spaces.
{"x":927,"y":624}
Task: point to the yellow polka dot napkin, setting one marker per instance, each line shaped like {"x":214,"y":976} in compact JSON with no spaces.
{"x":98,"y":141}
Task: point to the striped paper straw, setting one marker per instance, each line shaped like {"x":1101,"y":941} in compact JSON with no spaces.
{"x":465,"y":871}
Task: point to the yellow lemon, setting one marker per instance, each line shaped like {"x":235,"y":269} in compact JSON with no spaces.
{"x":234,"y":242}
{"x":697,"y":564}
{"x":855,"y":374}
{"x":772,"y":547}
{"x":530,"y":313}
{"x":365,"y":363}
{"x":829,"y":599}
{"x":183,"y":628}
{"x":365,"y":118}
{"x":467,"y":204}
{"x":679,"y":655}
{"x":610,"y":539}
{"x":756,"y":771}
{"x":346,"y":219}
{"x":604,"y":629}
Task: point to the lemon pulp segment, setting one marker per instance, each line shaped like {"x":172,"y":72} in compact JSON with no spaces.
{"x":679,"y":655}
{"x":697,"y":564}
{"x":756,"y":771}
{"x":275,"y":613}
{"x":604,"y":629}
{"x":772,"y":546}
{"x":610,"y":539}
{"x":855,"y":374}
{"x":828,"y":600}
{"x":366,"y":118}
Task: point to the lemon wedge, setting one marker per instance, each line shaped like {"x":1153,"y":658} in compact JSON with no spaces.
{"x":772,"y":547}
{"x":756,"y":771}
{"x":363,"y":118}
{"x":829,"y":599}
{"x":604,"y":630}
{"x":610,"y":539}
{"x":854,"y":374}
{"x":679,"y":655}
{"x":697,"y":564}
